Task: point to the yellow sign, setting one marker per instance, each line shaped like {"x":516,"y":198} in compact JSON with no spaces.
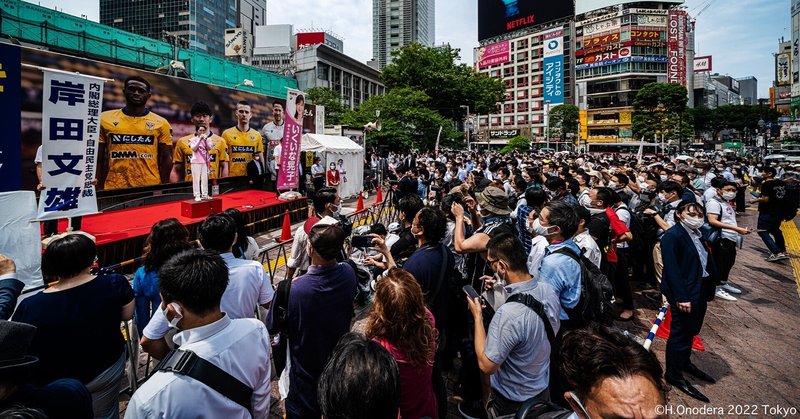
{"x":583,"y":118}
{"x":625,"y":118}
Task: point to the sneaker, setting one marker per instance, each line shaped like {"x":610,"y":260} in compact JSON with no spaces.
{"x":197,"y":199}
{"x":731,"y":289}
{"x":782,"y":255}
{"x":721,"y":293}
{"x":776,"y":258}
{"x":472,"y":410}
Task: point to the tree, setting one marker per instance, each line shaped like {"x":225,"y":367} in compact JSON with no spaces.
{"x":331,"y":100}
{"x":448,"y":85}
{"x":563,"y":119}
{"x":407,"y":121}
{"x":519,"y":143}
{"x":659,"y":108}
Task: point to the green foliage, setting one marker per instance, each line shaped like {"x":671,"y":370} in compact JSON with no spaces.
{"x":449,"y":85}
{"x":563,"y":119}
{"x":331,"y":100}
{"x":407,"y":121}
{"x":660,"y":108}
{"x":519,"y":143}
{"x":739,"y":117}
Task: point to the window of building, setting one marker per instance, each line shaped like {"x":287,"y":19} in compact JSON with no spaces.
{"x":522,"y":56}
{"x":522,"y":94}
{"x":495,"y":121}
{"x":522,"y":81}
{"x":522,"y":119}
{"x":508,"y":120}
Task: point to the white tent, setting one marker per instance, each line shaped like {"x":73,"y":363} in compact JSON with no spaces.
{"x":331,"y":148}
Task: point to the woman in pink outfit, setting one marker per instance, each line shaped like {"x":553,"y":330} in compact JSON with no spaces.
{"x":200,"y":146}
{"x":400,"y":322}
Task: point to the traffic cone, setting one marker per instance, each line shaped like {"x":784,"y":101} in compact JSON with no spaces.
{"x":286,"y":233}
{"x":663,"y":332}
{"x":360,"y":206}
{"x":379,"y":199}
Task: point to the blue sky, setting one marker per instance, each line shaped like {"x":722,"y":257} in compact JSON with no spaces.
{"x":742,"y":35}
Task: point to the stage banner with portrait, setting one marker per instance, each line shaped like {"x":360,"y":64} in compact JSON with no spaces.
{"x":71,"y":106}
{"x":288,"y":175}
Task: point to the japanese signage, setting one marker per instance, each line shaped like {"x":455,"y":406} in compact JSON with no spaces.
{"x":604,"y":26}
{"x":782,"y":70}
{"x":600,"y":40}
{"x":606,"y":56}
{"x":497,"y":18}
{"x":308,"y":39}
{"x":676,"y":47}
{"x":702,"y":64}
{"x":288,"y":176}
{"x":10,"y":155}
{"x":648,"y":20}
{"x":583,"y":6}
{"x":645,"y":35}
{"x":493,"y":54}
{"x":237,"y":43}
{"x":554,"y":67}
{"x":633,"y":59}
{"x":795,"y":43}
{"x":71,"y":106}
{"x":503,"y":133}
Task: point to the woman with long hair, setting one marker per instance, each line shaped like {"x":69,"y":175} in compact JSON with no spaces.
{"x":400,"y":322}
{"x":167,"y":238}
{"x":245,"y":246}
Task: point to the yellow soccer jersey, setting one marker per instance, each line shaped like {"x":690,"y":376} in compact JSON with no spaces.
{"x":132,"y":143}
{"x":241,"y":148}
{"x":217,"y":154}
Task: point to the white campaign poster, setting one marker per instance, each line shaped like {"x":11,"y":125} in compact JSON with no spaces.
{"x":20,"y":237}
{"x":71,"y":105}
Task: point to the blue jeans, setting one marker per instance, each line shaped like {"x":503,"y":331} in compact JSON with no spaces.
{"x":769,"y":226}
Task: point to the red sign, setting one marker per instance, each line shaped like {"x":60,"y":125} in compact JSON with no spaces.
{"x":676,"y":47}
{"x":310,"y":38}
{"x":703,"y":63}
{"x":493,"y":54}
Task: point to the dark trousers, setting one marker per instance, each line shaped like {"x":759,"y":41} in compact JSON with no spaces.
{"x":319,"y":183}
{"x":499,"y":406}
{"x":620,"y":279}
{"x":739,"y":200}
{"x":439,"y":387}
{"x":769,"y":229}
{"x":724,"y":258}
{"x":684,"y":327}
{"x":51,"y":226}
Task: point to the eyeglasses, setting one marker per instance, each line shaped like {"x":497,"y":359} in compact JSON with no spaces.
{"x":491,"y":262}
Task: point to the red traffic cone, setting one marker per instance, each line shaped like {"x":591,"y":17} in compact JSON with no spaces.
{"x":286,"y":233}
{"x":663,"y":329}
{"x":379,"y":199}
{"x":697,"y":344}
{"x":360,"y":206}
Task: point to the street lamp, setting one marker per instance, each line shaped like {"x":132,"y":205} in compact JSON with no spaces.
{"x":466,"y":124}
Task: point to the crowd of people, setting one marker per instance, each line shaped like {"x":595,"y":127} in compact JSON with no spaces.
{"x":506,"y":270}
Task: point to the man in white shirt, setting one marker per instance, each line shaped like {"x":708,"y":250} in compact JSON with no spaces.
{"x":584,"y":240}
{"x":249,"y":285}
{"x":192,"y":285}
{"x":273,"y":131}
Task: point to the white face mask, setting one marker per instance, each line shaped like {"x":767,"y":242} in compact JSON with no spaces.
{"x":178,"y":314}
{"x":729,"y":196}
{"x":663,"y":178}
{"x":541,"y":230}
{"x":612,"y":185}
{"x":643,"y":185}
{"x":662,"y":197}
{"x":693,"y":222}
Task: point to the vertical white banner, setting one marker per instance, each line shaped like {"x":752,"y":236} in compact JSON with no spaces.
{"x":71,"y":105}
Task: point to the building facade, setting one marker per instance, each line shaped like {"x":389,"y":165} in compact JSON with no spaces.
{"x":712,"y":91}
{"x":199,"y":24}
{"x":396,"y":23}
{"x":320,"y":65}
{"x":781,"y":91}
{"x":748,"y":90}
{"x":274,"y":48}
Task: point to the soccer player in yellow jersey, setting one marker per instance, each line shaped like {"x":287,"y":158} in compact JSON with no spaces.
{"x":135,"y":147}
{"x":181,"y":164}
{"x":244,"y":142}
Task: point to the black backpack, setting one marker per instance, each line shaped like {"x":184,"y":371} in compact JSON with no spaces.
{"x":597,"y":294}
{"x":644,"y":238}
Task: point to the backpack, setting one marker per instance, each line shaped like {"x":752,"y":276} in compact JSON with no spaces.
{"x":644,"y":238}
{"x":280,"y":324}
{"x":363,"y":279}
{"x":791,"y":203}
{"x":596,"y":303}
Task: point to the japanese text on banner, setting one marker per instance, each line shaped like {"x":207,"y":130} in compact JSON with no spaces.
{"x":290,"y":148}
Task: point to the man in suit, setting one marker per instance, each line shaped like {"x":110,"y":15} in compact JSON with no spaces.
{"x":688,"y":283}
{"x":256,"y":172}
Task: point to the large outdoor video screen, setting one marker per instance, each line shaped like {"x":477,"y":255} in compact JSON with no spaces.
{"x":171,"y":98}
{"x":496,"y":17}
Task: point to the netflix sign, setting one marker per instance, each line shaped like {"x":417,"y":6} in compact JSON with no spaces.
{"x":676,"y":46}
{"x":497,"y":17}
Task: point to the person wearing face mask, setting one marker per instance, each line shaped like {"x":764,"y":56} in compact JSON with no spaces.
{"x":333,"y":177}
{"x":238,"y":347}
{"x":527,"y":211}
{"x":515,"y":351}
{"x":689,"y":279}
{"x":669,"y":194}
{"x":408,"y":207}
{"x":557,"y":191}
{"x":606,"y":227}
{"x":584,"y":240}
{"x":249,"y":286}
{"x":318,"y":174}
{"x":721,"y":215}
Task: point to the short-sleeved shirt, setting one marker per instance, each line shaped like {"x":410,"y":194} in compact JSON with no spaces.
{"x":727,"y":215}
{"x":776,"y":191}
{"x":274,"y":133}
{"x":217,"y":154}
{"x":242,"y":146}
{"x":618,"y":228}
{"x":132,"y":143}
{"x":78,"y":329}
{"x":426,"y":266}
{"x":517,"y":341}
{"x":563,"y":273}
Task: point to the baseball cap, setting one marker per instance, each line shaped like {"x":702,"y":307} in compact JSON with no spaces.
{"x":324,"y":221}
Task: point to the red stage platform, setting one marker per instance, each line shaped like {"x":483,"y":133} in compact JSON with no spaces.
{"x":121,"y":233}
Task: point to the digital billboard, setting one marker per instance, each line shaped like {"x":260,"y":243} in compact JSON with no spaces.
{"x":583,"y":6}
{"x":496,"y":17}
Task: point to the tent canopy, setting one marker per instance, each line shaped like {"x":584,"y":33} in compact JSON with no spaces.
{"x":334,"y":147}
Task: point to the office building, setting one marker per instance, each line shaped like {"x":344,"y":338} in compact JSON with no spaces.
{"x":274,"y":46}
{"x":781,"y":91}
{"x":748,"y":90}
{"x":396,"y":23}
{"x":712,"y":91}
{"x":195,"y":24}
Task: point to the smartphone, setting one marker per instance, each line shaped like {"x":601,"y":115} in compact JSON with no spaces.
{"x":470,"y":291}
{"x":361,"y":242}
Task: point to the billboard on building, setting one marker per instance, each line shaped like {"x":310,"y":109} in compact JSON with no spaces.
{"x":583,"y":6}
{"x":308,"y":39}
{"x":702,"y":64}
{"x":496,"y":17}
{"x":676,"y":46}
{"x":795,"y":42}
{"x":237,"y":43}
{"x":783,"y":69}
{"x":493,"y":54}
{"x":553,"y":66}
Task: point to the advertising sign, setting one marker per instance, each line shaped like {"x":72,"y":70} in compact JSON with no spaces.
{"x":600,"y":40}
{"x":496,"y":17}
{"x":605,"y":26}
{"x":504,"y":133}
{"x":70,"y":134}
{"x":288,"y":176}
{"x":782,"y":70}
{"x":10,"y":100}
{"x":554,"y":67}
{"x":308,"y":39}
{"x":646,"y":35}
{"x":237,"y":43}
{"x":676,"y":47}
{"x":795,"y":42}
{"x":493,"y":54}
{"x":704,"y":63}
{"x":633,"y":59}
{"x":583,"y":6}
